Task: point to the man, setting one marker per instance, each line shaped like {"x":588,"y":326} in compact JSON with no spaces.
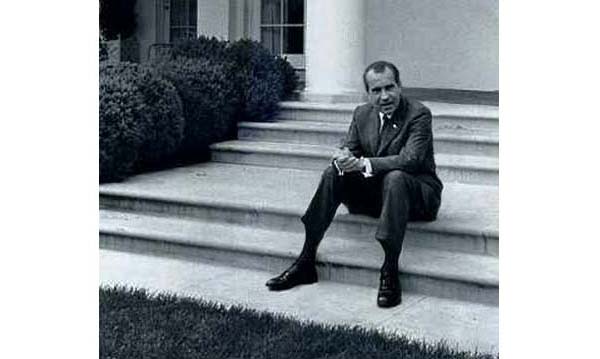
{"x":385,"y":170}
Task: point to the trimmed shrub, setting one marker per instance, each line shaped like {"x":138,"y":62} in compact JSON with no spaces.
{"x":163,"y":121}
{"x":126,"y":71}
{"x":175,"y":109}
{"x":123,"y":123}
{"x":165,"y":129}
{"x":206,"y":96}
{"x":289,"y":76}
{"x":201,"y":48}
{"x":260,"y":79}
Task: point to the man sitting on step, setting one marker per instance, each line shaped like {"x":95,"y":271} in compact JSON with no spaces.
{"x":385,"y":169}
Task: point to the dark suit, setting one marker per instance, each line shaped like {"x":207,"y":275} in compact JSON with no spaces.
{"x":404,"y":186}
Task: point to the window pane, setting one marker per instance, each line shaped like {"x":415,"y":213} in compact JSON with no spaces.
{"x":180,"y":33}
{"x":184,"y":17}
{"x":178,"y":12}
{"x":271,"y":39}
{"x":293,"y":40}
{"x":271,"y":12}
{"x":293,"y":11}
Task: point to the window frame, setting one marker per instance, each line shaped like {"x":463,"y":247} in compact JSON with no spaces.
{"x":297,"y":60}
{"x":190,"y":29}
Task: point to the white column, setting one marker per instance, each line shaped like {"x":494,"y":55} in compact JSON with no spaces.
{"x":335,"y":49}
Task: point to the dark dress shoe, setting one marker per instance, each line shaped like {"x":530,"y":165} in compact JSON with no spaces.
{"x":390,"y":292}
{"x":300,"y":272}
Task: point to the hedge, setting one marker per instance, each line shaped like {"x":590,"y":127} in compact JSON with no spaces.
{"x":161,"y":120}
{"x":289,"y":76}
{"x":201,"y":48}
{"x":171,"y":111}
{"x":261,"y":80}
{"x":166,"y":127}
{"x":206,"y":96}
{"x":123,"y":123}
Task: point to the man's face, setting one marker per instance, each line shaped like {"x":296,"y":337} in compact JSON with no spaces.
{"x":384,"y":92}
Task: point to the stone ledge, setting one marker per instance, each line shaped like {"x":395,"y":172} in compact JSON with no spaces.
{"x":470,"y":210}
{"x":431,"y":272}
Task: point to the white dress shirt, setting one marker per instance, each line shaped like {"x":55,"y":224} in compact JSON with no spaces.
{"x":368,"y":170}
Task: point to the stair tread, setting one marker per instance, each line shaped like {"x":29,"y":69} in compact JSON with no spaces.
{"x":324,"y":152}
{"x":478,"y":269}
{"x":442,"y":133}
{"x":469,"y":209}
{"x":437,"y":108}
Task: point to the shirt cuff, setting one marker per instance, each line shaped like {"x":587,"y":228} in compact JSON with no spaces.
{"x":368,"y":171}
{"x":339,"y":171}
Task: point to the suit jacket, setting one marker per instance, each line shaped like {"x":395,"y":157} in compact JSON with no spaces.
{"x":407,"y":146}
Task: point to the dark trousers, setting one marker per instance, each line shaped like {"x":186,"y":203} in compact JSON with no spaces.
{"x":396,"y":197}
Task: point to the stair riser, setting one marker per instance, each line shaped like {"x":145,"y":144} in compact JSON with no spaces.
{"x":341,"y":227}
{"x":442,"y":145}
{"x":446,"y":174}
{"x":315,"y":115}
{"x":465,"y":123}
{"x":482,"y":123}
{"x":415,"y":283}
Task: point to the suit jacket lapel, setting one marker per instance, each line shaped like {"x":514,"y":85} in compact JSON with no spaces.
{"x":373,"y":131}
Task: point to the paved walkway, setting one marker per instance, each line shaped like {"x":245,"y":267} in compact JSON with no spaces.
{"x":467,"y":326}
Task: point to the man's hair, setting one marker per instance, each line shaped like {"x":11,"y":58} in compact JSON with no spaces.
{"x":379,"y":67}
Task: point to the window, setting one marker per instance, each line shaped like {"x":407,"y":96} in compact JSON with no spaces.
{"x":184,"y":20}
{"x":282,"y":27}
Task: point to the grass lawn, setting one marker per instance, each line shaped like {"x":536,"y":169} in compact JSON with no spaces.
{"x":136,"y":324}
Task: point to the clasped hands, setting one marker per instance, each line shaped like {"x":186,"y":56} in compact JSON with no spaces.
{"x":347,"y":162}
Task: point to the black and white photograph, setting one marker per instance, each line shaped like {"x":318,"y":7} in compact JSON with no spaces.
{"x":298,"y":178}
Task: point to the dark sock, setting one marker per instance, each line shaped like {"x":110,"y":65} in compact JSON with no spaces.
{"x":390,"y":262}
{"x":309,"y":250}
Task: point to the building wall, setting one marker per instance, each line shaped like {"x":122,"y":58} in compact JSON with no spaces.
{"x":146,"y":26}
{"x":213,"y":18}
{"x":437,"y":44}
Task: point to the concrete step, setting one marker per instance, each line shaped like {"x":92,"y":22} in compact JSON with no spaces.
{"x":451,"y":141}
{"x":275,"y":198}
{"x":466,"y":325}
{"x":445,"y":115}
{"x":429,"y":272}
{"x":450,"y":168}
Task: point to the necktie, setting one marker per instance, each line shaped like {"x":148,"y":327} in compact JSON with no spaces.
{"x":386,"y":121}
{"x":384,"y":127}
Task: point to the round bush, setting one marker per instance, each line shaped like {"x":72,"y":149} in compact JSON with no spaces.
{"x":217,"y":52}
{"x":201,"y":48}
{"x":163,"y":112}
{"x":289,"y":76}
{"x":261,"y":80}
{"x":123,"y":122}
{"x":166,"y":122}
{"x":206,"y":96}
{"x":164,"y":130}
